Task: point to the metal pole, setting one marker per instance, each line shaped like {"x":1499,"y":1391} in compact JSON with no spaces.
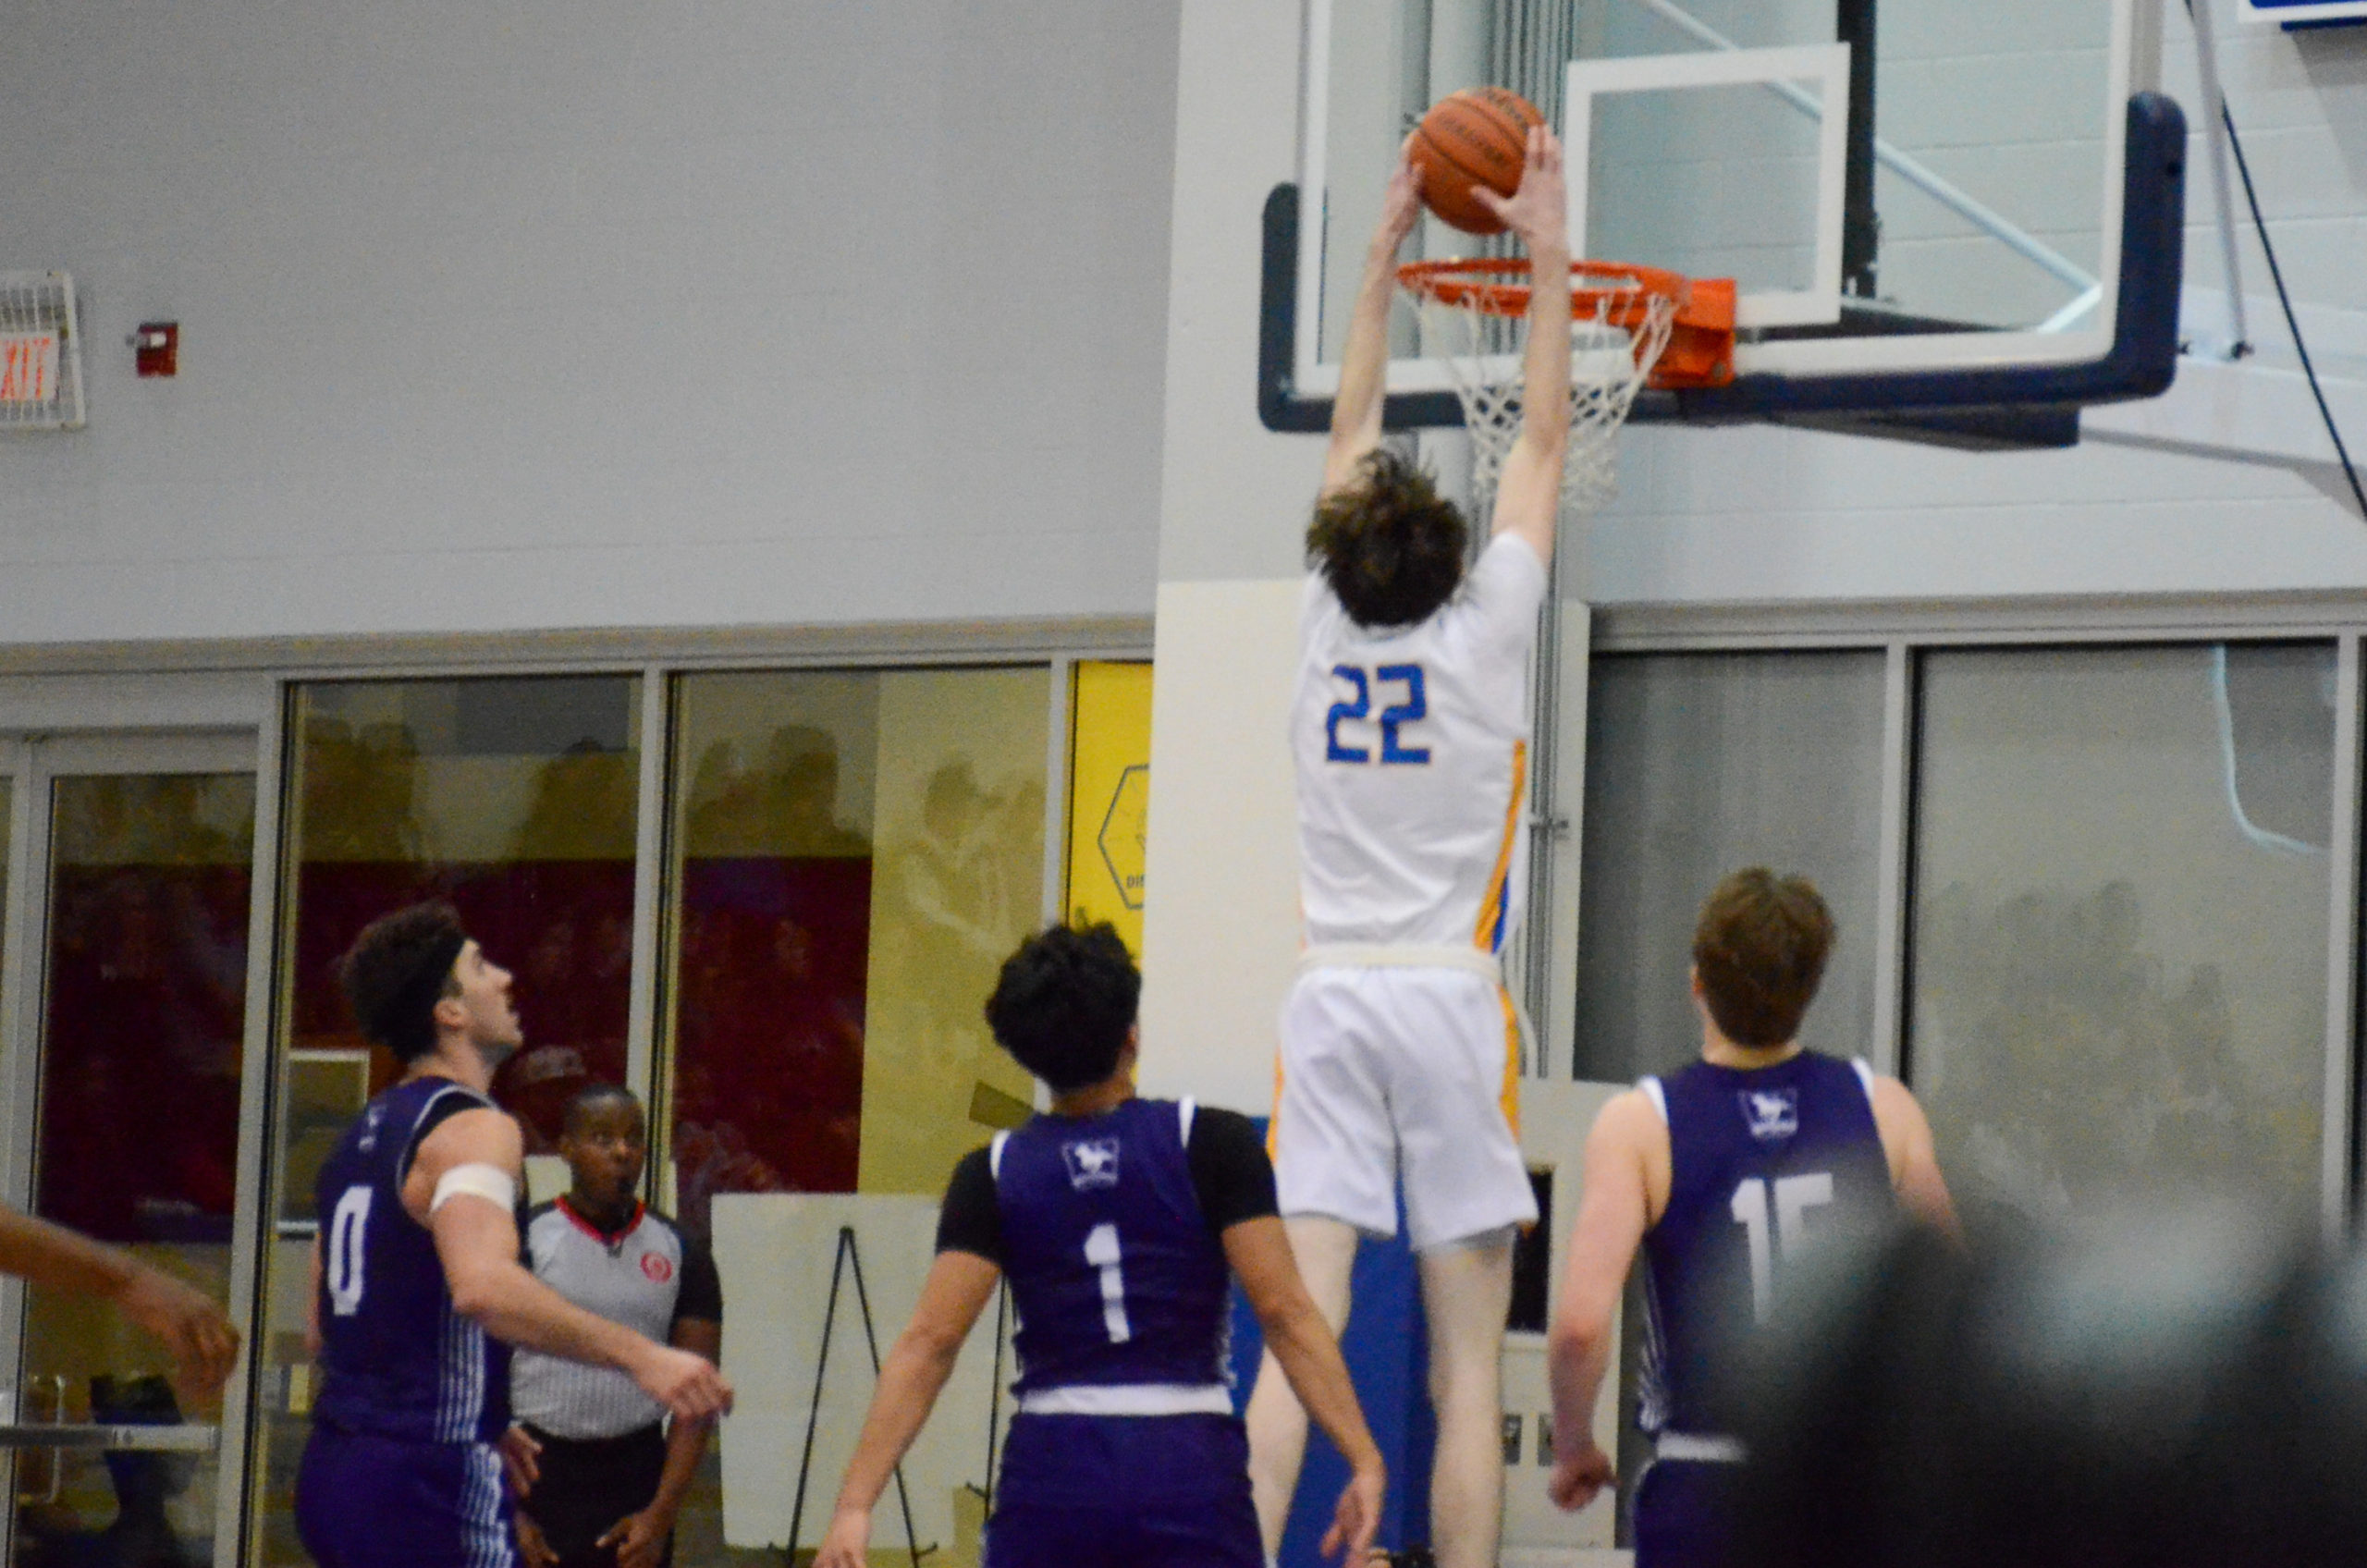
{"x":1860,"y":226}
{"x":2215,"y":102}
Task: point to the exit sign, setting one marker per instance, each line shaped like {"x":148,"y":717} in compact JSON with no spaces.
{"x":28,"y":368}
{"x":2306,"y":12}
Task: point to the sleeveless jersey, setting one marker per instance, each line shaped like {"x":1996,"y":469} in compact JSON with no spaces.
{"x":1411,"y":746}
{"x":1112,"y":1268}
{"x":1762,"y":1162}
{"x":395,"y":1359}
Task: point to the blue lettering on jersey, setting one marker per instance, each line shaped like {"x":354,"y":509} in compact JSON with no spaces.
{"x":1333,"y":749}
{"x":396,"y":1361}
{"x":1112,"y":1267}
{"x":1762,"y":1163}
{"x":1413,"y":710}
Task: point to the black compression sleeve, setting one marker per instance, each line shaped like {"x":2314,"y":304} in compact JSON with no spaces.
{"x":972,"y":1221}
{"x":1230,"y":1169}
{"x":701,"y":1293}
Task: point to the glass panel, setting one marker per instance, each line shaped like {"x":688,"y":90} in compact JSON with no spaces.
{"x":1698,"y":765}
{"x":145,"y":1001}
{"x":516,"y":800}
{"x":857,"y":853}
{"x":2120,"y":921}
{"x":774,"y":829}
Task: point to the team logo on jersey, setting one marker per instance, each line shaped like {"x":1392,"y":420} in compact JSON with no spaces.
{"x":1092,"y":1163}
{"x":656,"y":1267}
{"x":370,"y":1120}
{"x":1771,"y":1114}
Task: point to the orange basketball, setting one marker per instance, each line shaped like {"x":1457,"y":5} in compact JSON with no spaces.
{"x":1476,"y":137}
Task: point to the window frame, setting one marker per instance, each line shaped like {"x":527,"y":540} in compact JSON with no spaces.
{"x":1905,"y":633}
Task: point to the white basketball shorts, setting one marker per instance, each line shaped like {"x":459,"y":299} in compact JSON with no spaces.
{"x":1391,"y":1070}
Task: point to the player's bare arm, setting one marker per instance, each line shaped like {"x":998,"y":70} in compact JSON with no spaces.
{"x":1914,"y":1159}
{"x":196,"y":1332}
{"x":1615,"y":1211}
{"x":1529,"y":494}
{"x":1308,"y":1353}
{"x":956,"y":1290}
{"x":1364,"y":365}
{"x":476,"y":1238}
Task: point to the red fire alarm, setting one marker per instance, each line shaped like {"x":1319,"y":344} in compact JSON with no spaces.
{"x":156,"y":348}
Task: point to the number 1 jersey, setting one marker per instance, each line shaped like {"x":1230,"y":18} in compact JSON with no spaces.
{"x":1411,"y":747}
{"x":1762,"y":1162}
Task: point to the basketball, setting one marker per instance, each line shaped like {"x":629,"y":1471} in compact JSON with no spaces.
{"x":1473,"y":138}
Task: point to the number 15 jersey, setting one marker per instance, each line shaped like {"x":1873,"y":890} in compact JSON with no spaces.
{"x":1411,"y":745}
{"x":1762,"y":1162}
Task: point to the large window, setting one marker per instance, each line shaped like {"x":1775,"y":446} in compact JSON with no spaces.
{"x":857,"y":852}
{"x":2084,"y":892}
{"x":515,"y":799}
{"x":1697,"y":764}
{"x":2119,"y":946}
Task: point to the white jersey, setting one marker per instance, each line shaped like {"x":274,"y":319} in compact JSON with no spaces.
{"x":1412,"y":750}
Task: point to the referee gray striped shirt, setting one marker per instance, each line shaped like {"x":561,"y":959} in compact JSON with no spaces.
{"x":648,"y":1277}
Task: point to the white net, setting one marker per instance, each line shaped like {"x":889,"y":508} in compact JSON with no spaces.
{"x":1609,"y":366}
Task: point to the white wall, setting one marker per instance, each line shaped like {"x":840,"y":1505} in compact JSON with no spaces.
{"x":673,"y":312}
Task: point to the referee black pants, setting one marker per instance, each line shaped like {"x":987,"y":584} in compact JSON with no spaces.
{"x":589,"y":1483}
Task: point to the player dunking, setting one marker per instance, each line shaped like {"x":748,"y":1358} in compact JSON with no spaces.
{"x":1718,"y":1173}
{"x":416,"y":1278}
{"x":1410,"y":732}
{"x":1117,"y":1221}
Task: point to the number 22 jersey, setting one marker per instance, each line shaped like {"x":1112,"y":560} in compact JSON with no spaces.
{"x":1762,"y":1162}
{"x":1411,"y":747}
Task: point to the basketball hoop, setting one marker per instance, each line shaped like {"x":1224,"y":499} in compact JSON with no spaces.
{"x":1632,"y":327}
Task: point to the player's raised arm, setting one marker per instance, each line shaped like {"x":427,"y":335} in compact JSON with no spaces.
{"x":463,"y":1186}
{"x":952,"y":1297}
{"x":1259,"y":1251}
{"x":1355,"y":413}
{"x":1613,"y":1212}
{"x":1529,"y":494}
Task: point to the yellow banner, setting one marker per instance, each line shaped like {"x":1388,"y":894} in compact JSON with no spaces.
{"x":1108,"y":797}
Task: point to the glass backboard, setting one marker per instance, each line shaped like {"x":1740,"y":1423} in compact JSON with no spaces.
{"x":1898,"y":187}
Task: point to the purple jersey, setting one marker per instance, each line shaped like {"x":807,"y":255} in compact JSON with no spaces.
{"x":1762,"y":1162}
{"x":1112,"y":1267}
{"x":395,"y":1359}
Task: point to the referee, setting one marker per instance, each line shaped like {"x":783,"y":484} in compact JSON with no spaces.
{"x":601,"y":1479}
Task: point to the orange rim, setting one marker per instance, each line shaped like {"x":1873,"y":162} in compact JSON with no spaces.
{"x":1497,"y":286}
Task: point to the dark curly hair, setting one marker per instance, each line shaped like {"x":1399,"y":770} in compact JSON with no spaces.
{"x":1391,"y":547}
{"x":1064,"y":1003}
{"x":396,"y":970}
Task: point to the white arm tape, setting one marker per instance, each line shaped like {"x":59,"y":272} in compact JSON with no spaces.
{"x":487,"y":1181}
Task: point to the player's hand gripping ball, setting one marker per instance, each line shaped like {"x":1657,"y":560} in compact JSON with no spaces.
{"x":1475,"y":138}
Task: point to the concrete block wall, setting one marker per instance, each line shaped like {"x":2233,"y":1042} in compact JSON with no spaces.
{"x":682,"y":313}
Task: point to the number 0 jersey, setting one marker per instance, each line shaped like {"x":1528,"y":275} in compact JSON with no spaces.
{"x":396,"y":1361}
{"x":1411,"y":746}
{"x":1762,"y":1161}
